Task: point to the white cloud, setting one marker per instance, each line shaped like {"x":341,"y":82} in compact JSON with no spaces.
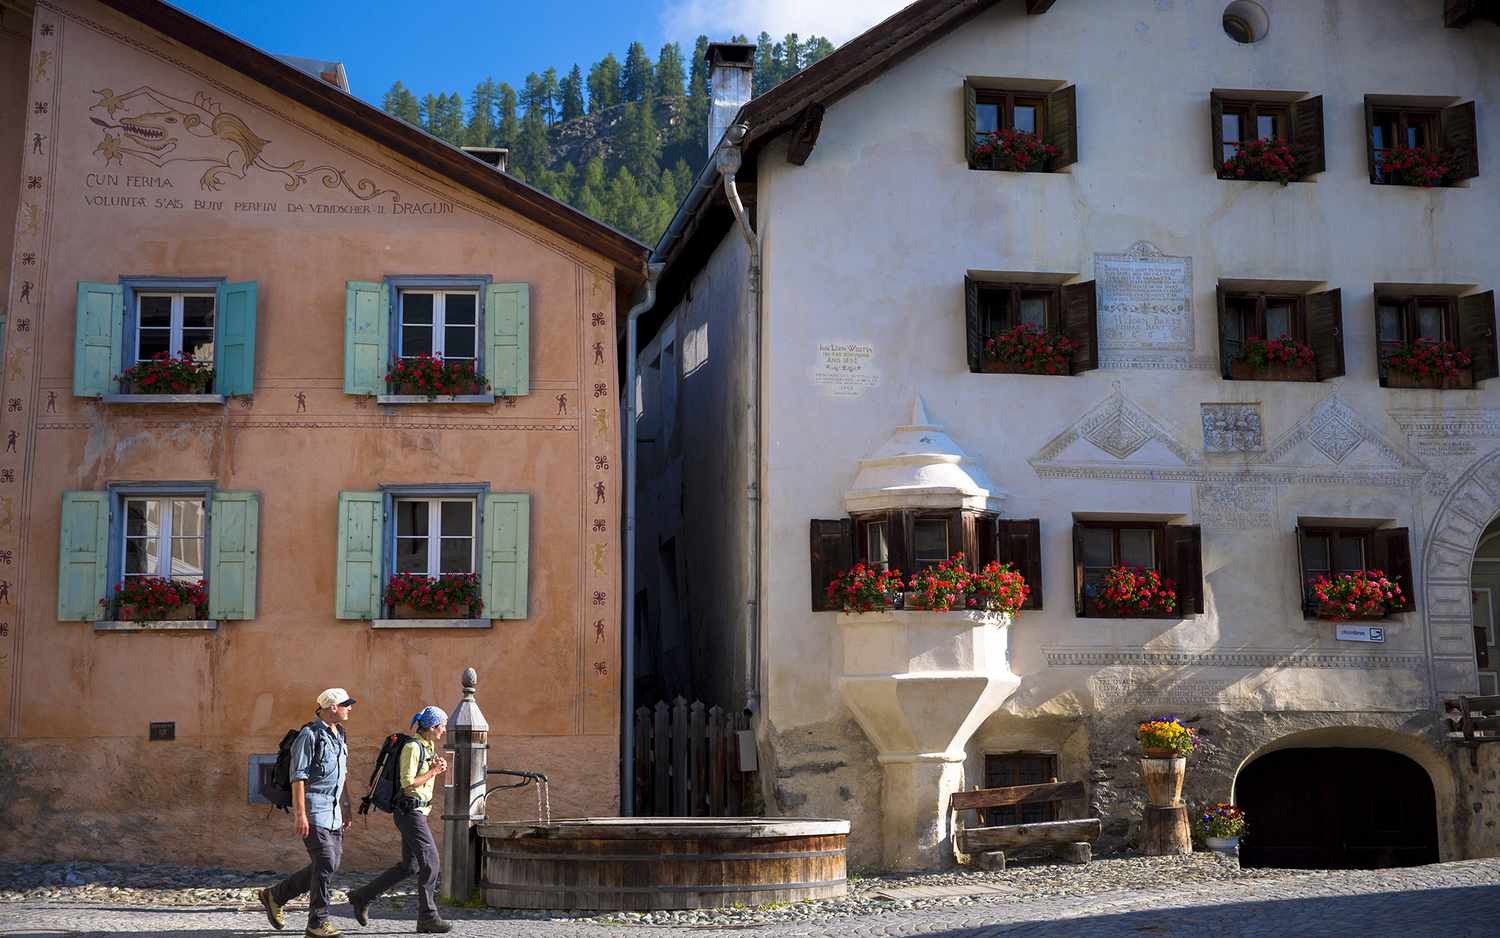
{"x":837,"y":20}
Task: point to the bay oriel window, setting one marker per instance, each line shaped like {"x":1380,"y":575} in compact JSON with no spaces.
{"x":464,"y":319}
{"x":911,"y":540}
{"x":1408,"y":314}
{"x":181,"y":531}
{"x":138,"y":319}
{"x":1253,"y":314}
{"x":1174,"y":551}
{"x":1332,"y":548}
{"x":1238,"y":117}
{"x":432,"y":531}
{"x":995,"y":305}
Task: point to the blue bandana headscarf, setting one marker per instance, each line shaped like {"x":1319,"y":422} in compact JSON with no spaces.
{"x":428,"y":717}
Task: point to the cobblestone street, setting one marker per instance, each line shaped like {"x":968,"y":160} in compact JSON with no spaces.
{"x":1451,"y":900}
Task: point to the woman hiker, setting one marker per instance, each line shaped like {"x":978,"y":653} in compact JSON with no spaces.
{"x":418,"y":766}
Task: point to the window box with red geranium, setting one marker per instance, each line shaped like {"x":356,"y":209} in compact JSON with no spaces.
{"x":164,"y":373}
{"x":1015,"y":151}
{"x":1417,"y":166}
{"x":1130,"y":592}
{"x":431,"y":378}
{"x":1266,"y":161}
{"x":1027,"y":350}
{"x":1411,"y":142}
{"x":864,"y":588}
{"x":1279,"y":359}
{"x":157,"y":599}
{"x":446,"y":596}
{"x":1029,"y":127}
{"x":942,"y":586}
{"x":1363,"y":594}
{"x":998,"y":587}
{"x":1429,"y":364}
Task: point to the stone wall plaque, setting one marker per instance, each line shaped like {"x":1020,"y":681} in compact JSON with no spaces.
{"x":1237,"y":506}
{"x":845,"y":369}
{"x":1145,"y":308}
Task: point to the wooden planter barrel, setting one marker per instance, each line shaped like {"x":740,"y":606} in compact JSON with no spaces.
{"x":644,"y":864}
{"x":1163,"y":779}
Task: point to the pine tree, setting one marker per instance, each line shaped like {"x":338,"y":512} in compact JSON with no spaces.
{"x":767,"y":72}
{"x":430,"y":113}
{"x":698,"y":70}
{"x":481,"y":129}
{"x":550,"y":95}
{"x":639,"y":140}
{"x":449,"y":125}
{"x":592,"y":189}
{"x":604,"y":83}
{"x":623,"y":206}
{"x":571,"y":89}
{"x":670,"y":82}
{"x":508,"y":131}
{"x":814,"y":49}
{"x":529,"y":152}
{"x":403,"y":104}
{"x":636,"y":78}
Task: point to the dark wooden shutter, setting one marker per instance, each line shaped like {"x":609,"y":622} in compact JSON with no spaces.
{"x":1079,"y":602}
{"x":1391,"y":549}
{"x":971,"y":122}
{"x":1230,"y":347}
{"x":1184,"y":553}
{"x":1020,"y":544}
{"x":1370,"y":138}
{"x":1460,"y":136}
{"x":832,"y":552}
{"x":1476,"y":332}
{"x":1302,"y":599}
{"x":1216,"y":130}
{"x":1325,"y":333}
{"x":1481,"y":646}
{"x":1080,"y":322}
{"x":1307,"y":131}
{"x":974,"y":323}
{"x":1062,"y":125}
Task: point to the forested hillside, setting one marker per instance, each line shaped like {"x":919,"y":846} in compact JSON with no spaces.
{"x":622,"y":143}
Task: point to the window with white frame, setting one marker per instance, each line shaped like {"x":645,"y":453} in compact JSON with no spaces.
{"x":435,"y":535}
{"x":175,"y":323}
{"x":442,"y":323}
{"x":164,"y":537}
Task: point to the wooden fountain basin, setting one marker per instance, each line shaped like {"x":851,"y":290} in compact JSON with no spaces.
{"x":645,"y":864}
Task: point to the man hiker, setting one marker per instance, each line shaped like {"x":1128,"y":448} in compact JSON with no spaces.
{"x":418,"y":767}
{"x":320,"y":805}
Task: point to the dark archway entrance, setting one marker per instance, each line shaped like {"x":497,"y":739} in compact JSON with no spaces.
{"x":1337,"y":809}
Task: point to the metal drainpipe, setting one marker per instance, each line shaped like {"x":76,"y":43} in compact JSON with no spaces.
{"x":627,"y":669}
{"x":727,"y":160}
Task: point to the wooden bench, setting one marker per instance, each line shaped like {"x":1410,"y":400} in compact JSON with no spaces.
{"x":1472,"y":721}
{"x":986,"y":846}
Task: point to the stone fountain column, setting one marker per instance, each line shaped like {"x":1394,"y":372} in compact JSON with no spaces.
{"x":464,"y":793}
{"x":919,"y":684}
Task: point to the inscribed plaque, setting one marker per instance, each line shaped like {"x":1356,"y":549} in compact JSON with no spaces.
{"x":1145,"y":307}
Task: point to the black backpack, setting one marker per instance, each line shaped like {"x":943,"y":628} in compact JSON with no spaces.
{"x":278,"y":790}
{"x":385,"y":780}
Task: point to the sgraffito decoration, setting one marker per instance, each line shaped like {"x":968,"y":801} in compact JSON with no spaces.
{"x":158,"y":129}
{"x":599,"y":637}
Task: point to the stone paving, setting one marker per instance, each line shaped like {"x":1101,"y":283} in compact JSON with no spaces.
{"x":1450,"y":900}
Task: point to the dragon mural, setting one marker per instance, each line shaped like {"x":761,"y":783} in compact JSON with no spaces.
{"x":159,"y":129}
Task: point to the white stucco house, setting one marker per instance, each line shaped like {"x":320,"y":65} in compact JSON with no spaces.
{"x":816,"y":387}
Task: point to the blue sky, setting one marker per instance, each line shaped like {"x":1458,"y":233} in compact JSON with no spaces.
{"x":443,"y":45}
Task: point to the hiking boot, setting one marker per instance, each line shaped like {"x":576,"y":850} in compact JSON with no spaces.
{"x":361,"y":909}
{"x":433,"y":926}
{"x":273,"y":909}
{"x":325,"y":930}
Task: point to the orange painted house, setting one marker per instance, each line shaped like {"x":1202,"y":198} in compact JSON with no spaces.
{"x":180,"y":192}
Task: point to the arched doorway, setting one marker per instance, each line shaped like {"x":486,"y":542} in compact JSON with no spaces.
{"x":1337,"y":808}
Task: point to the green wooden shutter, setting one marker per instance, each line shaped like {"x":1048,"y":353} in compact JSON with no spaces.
{"x":99,"y":338}
{"x":83,"y":556}
{"x":507,"y":314}
{"x":507,"y":546}
{"x":232,"y":555}
{"x":361,"y":536}
{"x":234,"y":355}
{"x":367,"y":337}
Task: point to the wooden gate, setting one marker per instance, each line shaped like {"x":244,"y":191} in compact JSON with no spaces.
{"x":687,"y":761}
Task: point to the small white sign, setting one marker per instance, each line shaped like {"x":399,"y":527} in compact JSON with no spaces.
{"x":845,"y":369}
{"x":1360,"y":633}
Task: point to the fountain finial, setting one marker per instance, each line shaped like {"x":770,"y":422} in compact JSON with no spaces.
{"x":471,"y":681}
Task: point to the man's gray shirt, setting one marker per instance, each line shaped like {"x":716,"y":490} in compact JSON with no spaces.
{"x":325,"y":775}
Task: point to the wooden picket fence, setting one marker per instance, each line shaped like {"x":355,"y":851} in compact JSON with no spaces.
{"x":687,"y":761}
